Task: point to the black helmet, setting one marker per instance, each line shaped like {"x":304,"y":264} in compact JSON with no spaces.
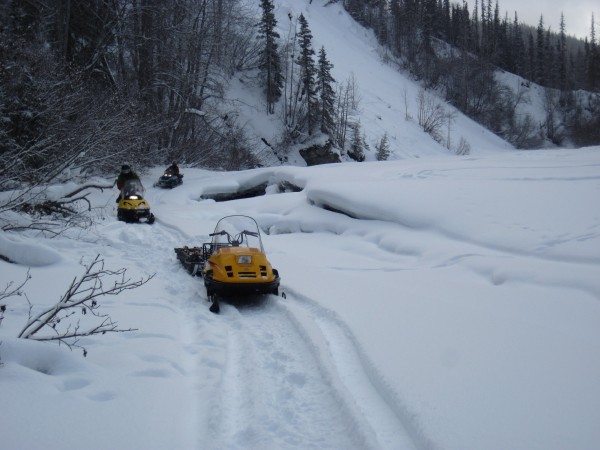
{"x":125,"y":168}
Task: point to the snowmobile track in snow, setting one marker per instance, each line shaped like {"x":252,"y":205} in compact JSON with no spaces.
{"x":285,"y":373}
{"x":272,"y":392}
{"x":282,"y":387}
{"x":380,"y":414}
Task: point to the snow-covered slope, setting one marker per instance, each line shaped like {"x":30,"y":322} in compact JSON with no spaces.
{"x":385,"y":94}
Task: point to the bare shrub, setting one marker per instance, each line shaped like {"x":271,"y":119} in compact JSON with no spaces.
{"x":522,"y":133}
{"x":463,"y":148}
{"x":64,"y":320}
{"x":432,"y":115}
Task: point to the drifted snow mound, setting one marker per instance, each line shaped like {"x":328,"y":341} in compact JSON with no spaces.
{"x":17,"y":250}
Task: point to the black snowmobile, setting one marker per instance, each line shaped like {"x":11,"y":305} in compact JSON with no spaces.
{"x":169,"y":180}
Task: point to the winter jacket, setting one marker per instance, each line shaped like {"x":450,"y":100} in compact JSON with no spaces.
{"x":124,"y":177}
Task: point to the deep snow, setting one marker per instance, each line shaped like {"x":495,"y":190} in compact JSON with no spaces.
{"x":457,"y":308}
{"x":433,"y":302}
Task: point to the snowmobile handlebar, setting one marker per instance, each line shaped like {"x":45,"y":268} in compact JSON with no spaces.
{"x":238,"y":239}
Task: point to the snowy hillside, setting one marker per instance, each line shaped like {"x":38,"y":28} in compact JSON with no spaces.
{"x":386,"y":95}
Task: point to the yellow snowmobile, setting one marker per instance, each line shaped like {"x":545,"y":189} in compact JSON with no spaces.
{"x":132,"y":205}
{"x":234,"y":263}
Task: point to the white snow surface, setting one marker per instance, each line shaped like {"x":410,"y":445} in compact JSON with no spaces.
{"x":432,"y":301}
{"x":446,"y":303}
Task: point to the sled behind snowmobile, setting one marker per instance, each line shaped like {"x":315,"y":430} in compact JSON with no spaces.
{"x":234,"y":263}
{"x":133,"y":207}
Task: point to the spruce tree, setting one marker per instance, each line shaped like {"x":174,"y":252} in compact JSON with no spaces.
{"x":520,"y":61}
{"x":562,"y":55}
{"x":326,"y":93}
{"x":383,"y":148}
{"x":593,"y":70}
{"x":530,"y":71}
{"x":540,"y":55}
{"x":270,"y":62}
{"x":308,"y":74}
{"x":356,"y":151}
{"x":549,"y":61}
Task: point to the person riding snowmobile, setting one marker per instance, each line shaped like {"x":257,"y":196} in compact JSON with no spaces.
{"x":126,"y":174}
{"x":170,"y":178}
{"x":173,"y":168}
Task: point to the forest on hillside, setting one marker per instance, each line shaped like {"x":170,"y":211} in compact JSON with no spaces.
{"x":88,"y":84}
{"x":457,"y":51}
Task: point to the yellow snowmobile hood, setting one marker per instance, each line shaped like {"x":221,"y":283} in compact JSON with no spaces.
{"x":133,"y":203}
{"x":240,"y":265}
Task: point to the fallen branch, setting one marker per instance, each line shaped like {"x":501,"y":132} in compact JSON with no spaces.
{"x":88,"y":186}
{"x":81,"y":299}
{"x":10,"y":291}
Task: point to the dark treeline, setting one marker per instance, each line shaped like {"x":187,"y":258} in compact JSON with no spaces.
{"x":457,"y":51}
{"x":89,"y":84}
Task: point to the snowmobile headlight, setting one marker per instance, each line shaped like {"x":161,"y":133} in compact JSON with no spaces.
{"x":133,"y":197}
{"x":244,"y":259}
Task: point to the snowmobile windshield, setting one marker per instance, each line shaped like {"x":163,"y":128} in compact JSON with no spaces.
{"x":133,"y":188}
{"x":237,"y":231}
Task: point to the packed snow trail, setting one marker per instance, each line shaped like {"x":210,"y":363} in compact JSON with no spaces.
{"x":275,"y":391}
{"x":270,"y":384}
{"x":357,"y":380}
{"x":272,"y":394}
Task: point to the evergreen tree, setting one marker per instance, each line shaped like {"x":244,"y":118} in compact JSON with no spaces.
{"x":551,"y":68}
{"x":475,"y":31}
{"x":446,"y":19}
{"x":428,"y":25}
{"x":519,"y":58}
{"x":383,"y":148}
{"x":593,"y":70}
{"x":411,"y":22}
{"x":562,"y":56}
{"x":270,"y":62}
{"x":397,"y":26}
{"x":540,"y":56}
{"x":326,"y":93}
{"x":531,"y":60}
{"x":380,"y":22}
{"x":357,"y":145}
{"x":307,"y":76}
{"x":505,"y":51}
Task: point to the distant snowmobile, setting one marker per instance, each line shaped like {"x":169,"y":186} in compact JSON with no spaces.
{"x":169,"y":180}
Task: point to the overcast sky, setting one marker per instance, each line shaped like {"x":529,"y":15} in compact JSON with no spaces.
{"x":578,"y":13}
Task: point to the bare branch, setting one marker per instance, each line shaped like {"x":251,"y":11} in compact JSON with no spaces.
{"x":9,"y":290}
{"x":80,"y":299}
{"x":88,"y":186}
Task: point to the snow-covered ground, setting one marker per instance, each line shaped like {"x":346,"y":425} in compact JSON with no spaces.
{"x":432,"y":301}
{"x":454,"y":305}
